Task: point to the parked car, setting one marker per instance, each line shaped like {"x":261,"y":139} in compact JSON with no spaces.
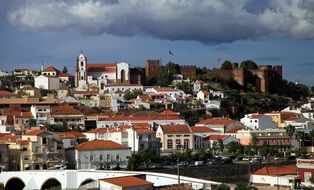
{"x":226,"y":160}
{"x":246,"y":158}
{"x":184,"y":163}
{"x":198,"y":163}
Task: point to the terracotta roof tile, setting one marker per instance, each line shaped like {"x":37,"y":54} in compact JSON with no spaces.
{"x":66,"y":110}
{"x":137,"y":118}
{"x":100,"y":145}
{"x":215,"y":137}
{"x":70,"y":135}
{"x":165,"y":89}
{"x":256,"y":116}
{"x":8,"y":137}
{"x":127,"y":181}
{"x":19,"y":113}
{"x":216,"y":121}
{"x":35,"y":132}
{"x":176,"y":129}
{"x":169,"y":112}
{"x":5,"y":93}
{"x":277,"y":170}
{"x":51,"y":69}
{"x":101,"y":67}
{"x":234,"y":129}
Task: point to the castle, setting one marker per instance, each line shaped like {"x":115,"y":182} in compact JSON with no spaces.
{"x":262,"y":76}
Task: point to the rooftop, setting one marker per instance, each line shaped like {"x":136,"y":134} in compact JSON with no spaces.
{"x":127,"y":181}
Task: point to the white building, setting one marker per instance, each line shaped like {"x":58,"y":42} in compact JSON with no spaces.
{"x":99,"y":75}
{"x":101,"y":154}
{"x":41,"y":113}
{"x":258,"y":121}
{"x":47,"y":82}
{"x":203,"y":95}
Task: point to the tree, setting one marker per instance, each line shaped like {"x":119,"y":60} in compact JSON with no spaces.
{"x":290,"y":131}
{"x":132,"y":94}
{"x":65,"y":69}
{"x":245,"y":187}
{"x":254,"y":142}
{"x":227,"y":65}
{"x":221,"y":186}
{"x":134,"y":162}
{"x":185,"y":87}
{"x":234,"y":148}
{"x":248,"y":64}
{"x":148,"y":156}
{"x":32,"y":122}
{"x":300,"y":153}
{"x":312,"y":136}
{"x":300,"y":136}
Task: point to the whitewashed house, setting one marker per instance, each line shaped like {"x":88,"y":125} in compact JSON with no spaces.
{"x":98,"y":154}
{"x":258,"y":121}
{"x":47,"y":82}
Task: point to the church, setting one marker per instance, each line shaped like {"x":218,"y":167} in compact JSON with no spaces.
{"x":98,"y":75}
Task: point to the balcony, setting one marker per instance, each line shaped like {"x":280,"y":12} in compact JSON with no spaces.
{"x":52,"y":152}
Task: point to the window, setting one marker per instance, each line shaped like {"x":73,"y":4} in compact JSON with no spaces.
{"x":26,"y":158}
{"x":44,"y":140}
{"x":108,"y":157}
{"x":149,"y":137}
{"x":169,"y":144}
{"x":82,"y":64}
{"x":91,"y":157}
{"x":118,"y":157}
{"x":186,"y":143}
{"x":100,"y":157}
{"x":178,"y":144}
{"x":140,"y":137}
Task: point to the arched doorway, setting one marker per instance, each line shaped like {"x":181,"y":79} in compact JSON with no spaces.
{"x":44,"y":166}
{"x":51,"y":183}
{"x":36,"y":167}
{"x":86,"y":181}
{"x":14,"y":183}
{"x":122,"y":76}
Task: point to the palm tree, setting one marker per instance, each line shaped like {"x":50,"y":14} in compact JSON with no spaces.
{"x":254,"y":142}
{"x":290,"y":131}
{"x":300,"y":136}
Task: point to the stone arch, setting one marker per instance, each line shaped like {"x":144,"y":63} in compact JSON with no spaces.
{"x":45,"y":167}
{"x":86,"y":181}
{"x":50,"y":183}
{"x":122,"y":74}
{"x":37,"y":167}
{"x":14,"y":183}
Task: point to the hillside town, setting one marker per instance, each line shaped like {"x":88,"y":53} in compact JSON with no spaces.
{"x":111,"y":116}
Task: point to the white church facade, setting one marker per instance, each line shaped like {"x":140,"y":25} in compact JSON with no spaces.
{"x":88,"y":76}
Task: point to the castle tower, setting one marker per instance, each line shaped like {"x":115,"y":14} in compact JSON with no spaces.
{"x":81,"y":75}
{"x":152,"y":69}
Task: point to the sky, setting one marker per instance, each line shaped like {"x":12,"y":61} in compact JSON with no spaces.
{"x":200,"y":32}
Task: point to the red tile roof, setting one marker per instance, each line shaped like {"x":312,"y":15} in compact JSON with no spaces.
{"x":138,"y":118}
{"x":70,"y":135}
{"x":24,"y":142}
{"x":36,"y":132}
{"x":216,"y":121}
{"x":127,"y":181}
{"x":51,"y":69}
{"x":19,"y":113}
{"x":99,"y":145}
{"x":277,"y":170}
{"x":215,"y":137}
{"x":5,"y":93}
{"x":200,"y":129}
{"x":169,"y":112}
{"x":176,"y":129}
{"x":8,"y":137}
{"x":102,"y":67}
{"x":66,"y":110}
{"x":256,"y":116}
{"x":234,"y":129}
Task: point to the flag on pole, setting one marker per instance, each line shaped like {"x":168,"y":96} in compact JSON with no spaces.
{"x":170,"y":52}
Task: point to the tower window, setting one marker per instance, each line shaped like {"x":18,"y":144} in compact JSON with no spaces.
{"x":82,"y":63}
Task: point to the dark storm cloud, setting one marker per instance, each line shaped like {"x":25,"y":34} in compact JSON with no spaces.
{"x":204,"y":20}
